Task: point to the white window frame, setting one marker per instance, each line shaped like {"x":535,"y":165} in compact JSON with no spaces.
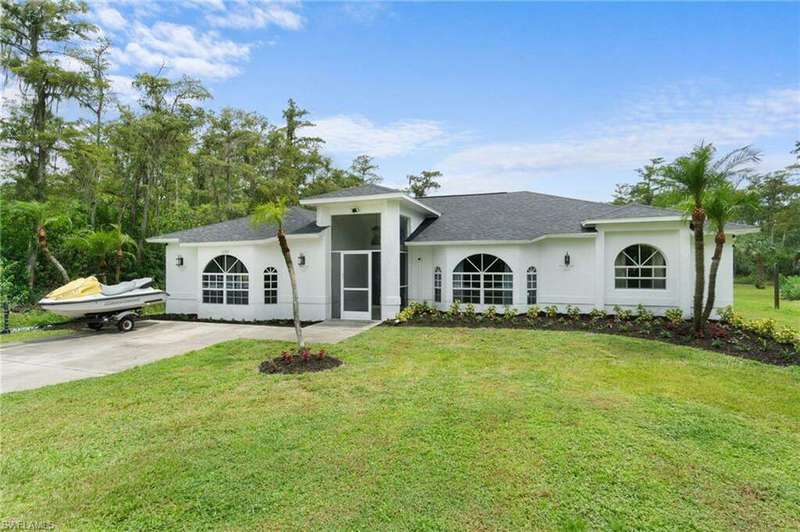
{"x":270,"y":285}
{"x":437,"y":285}
{"x":484,"y":281}
{"x":657,"y":273}
{"x":225,"y":286}
{"x":531,"y":280}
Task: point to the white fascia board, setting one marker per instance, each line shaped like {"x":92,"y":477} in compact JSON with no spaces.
{"x":498,"y":242}
{"x":372,"y":197}
{"x":247,"y":242}
{"x":564,"y":235}
{"x":155,"y":240}
{"x":634,"y":220}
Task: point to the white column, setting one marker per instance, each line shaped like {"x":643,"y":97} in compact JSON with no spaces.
{"x":390,"y":259}
{"x":600,"y":270}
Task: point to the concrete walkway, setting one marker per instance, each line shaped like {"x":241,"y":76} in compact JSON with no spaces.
{"x":92,"y":354}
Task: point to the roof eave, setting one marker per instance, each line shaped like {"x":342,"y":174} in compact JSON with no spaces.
{"x":641,"y":219}
{"x":370,"y":197}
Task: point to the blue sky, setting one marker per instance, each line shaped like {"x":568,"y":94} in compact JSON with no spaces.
{"x":563,"y":98}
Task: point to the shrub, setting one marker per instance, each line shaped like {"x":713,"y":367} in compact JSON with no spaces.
{"x":643,"y":315}
{"x":727,"y":315}
{"x":573,"y":312}
{"x":674,"y":315}
{"x":414,"y":310}
{"x":469,"y":311}
{"x":790,"y":287}
{"x":454,"y":312}
{"x":765,"y":327}
{"x":508,"y":313}
{"x":597,"y":314}
{"x":717,"y":331}
{"x":533,"y":312}
{"x":490,"y":313}
{"x":787,"y":336}
{"x":622,"y":314}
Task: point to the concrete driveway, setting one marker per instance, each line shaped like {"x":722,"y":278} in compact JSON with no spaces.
{"x":92,"y":354}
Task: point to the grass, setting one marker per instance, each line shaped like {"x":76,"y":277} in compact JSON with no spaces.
{"x":420,"y":428}
{"x":753,"y":303}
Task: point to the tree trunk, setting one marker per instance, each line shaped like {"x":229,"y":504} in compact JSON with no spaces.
{"x":42,"y":235}
{"x":698,"y":218}
{"x":287,"y":257}
{"x":118,"y":267}
{"x":33,"y":254}
{"x":776,"y":290}
{"x":719,"y":241}
{"x":761,"y":272}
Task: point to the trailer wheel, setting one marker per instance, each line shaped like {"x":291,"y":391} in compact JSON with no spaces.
{"x":126,"y":324}
{"x":95,"y":326}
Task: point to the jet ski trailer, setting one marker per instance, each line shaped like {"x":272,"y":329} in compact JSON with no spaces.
{"x":120,"y":304}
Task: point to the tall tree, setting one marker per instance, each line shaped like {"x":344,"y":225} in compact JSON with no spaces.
{"x":693,"y":176}
{"x":723,"y":204}
{"x":647,"y":189}
{"x":275,"y":214}
{"x":35,"y":36}
{"x":95,"y":97}
{"x":426,"y":181}
{"x":365,"y":169}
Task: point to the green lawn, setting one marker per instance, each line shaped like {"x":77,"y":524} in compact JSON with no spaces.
{"x":753,"y":303}
{"x":420,"y":428}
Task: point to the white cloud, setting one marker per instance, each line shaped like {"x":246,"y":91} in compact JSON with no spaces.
{"x":122,"y":87}
{"x":251,"y":14}
{"x":655,"y":127}
{"x":356,"y":134}
{"x":183,"y":50}
{"x":109,"y":18}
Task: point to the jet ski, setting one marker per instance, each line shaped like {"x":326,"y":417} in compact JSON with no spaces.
{"x":88,"y":297}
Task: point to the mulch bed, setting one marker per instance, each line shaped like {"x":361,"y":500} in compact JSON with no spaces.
{"x":720,"y":337}
{"x":298,"y":364}
{"x":193,"y":317}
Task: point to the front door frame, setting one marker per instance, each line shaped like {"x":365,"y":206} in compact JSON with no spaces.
{"x":356,"y":315}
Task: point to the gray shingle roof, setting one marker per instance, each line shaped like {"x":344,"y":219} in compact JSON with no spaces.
{"x":363,"y":190}
{"x":298,"y":221}
{"x":517,"y":216}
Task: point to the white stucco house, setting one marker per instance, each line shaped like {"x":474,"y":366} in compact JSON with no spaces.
{"x":363,"y":253}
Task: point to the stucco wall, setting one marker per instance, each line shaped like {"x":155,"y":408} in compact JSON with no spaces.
{"x":185,"y":284}
{"x":588,"y":282}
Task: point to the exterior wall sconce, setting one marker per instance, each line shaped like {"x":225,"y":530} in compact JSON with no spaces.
{"x":179,"y":261}
{"x":566,"y":259}
{"x":355,"y":210}
{"x":301,"y":260}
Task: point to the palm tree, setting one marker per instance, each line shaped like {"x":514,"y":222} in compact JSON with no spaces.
{"x":722,"y":204}
{"x":693,"y":175}
{"x":37,"y":215}
{"x":105,"y":247}
{"x":273,"y":214}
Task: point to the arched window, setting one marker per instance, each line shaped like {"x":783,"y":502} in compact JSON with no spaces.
{"x":270,"y":285}
{"x":225,"y":280}
{"x":640,"y":266}
{"x":531,"y":281}
{"x":437,"y":285}
{"x":483,"y":279}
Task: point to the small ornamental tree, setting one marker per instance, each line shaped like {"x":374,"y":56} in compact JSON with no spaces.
{"x":274,"y":214}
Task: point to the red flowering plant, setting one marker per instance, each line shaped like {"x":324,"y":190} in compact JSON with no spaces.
{"x":306,"y":354}
{"x":716,"y":330}
{"x":287,"y":356}
{"x":321,"y":354}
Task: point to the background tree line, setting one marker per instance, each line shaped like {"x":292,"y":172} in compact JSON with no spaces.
{"x":87,"y":178}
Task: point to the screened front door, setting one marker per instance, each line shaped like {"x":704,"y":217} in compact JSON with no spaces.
{"x":356,"y":276}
